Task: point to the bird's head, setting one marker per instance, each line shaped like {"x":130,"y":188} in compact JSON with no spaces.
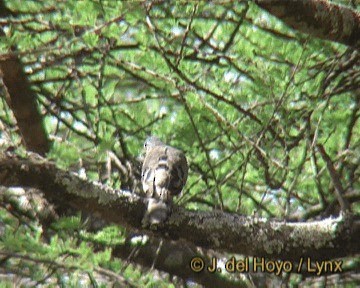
{"x":152,"y":142}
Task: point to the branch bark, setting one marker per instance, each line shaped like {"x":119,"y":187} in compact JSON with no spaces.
{"x":318,"y":18}
{"x":233,"y":233}
{"x":22,"y":101}
{"x":172,"y":257}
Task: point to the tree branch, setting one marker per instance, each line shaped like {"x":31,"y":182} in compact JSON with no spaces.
{"x":22,"y":101}
{"x":335,"y":177}
{"x":330,"y":238}
{"x":318,"y":18}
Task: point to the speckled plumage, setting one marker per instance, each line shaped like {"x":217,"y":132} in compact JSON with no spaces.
{"x":164,"y":171}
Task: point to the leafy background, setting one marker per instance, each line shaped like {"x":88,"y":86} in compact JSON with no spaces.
{"x":247,"y":98}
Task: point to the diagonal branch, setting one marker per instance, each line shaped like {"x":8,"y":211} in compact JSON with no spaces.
{"x":335,"y":177}
{"x":22,"y":101}
{"x":319,"y":18}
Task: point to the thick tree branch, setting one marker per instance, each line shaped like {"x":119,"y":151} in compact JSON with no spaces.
{"x":22,"y":101}
{"x":172,"y":257}
{"x":330,"y":238}
{"x":318,"y":18}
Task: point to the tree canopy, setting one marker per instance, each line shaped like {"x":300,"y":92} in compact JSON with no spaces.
{"x":263,"y":98}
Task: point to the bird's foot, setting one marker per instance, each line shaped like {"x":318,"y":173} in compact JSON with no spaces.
{"x":157,"y":212}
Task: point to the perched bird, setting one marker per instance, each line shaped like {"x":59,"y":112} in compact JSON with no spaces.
{"x":164,"y":174}
{"x":164,"y":171}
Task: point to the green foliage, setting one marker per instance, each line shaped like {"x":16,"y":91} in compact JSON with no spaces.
{"x":111,"y":235}
{"x":33,"y":253}
{"x":246,"y":97}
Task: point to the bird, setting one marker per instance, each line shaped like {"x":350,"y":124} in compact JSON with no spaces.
{"x":164,"y":171}
{"x":163,"y":176}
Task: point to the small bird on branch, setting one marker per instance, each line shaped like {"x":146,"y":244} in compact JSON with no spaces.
{"x":164,"y":174}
